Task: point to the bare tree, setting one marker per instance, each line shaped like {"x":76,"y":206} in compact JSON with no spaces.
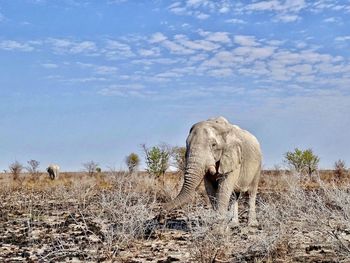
{"x":178,"y":155}
{"x":90,"y":167}
{"x":32,"y":167}
{"x":340,"y":169}
{"x":15,"y":169}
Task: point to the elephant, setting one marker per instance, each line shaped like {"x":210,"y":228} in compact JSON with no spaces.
{"x":228,"y":159}
{"x":53,"y":170}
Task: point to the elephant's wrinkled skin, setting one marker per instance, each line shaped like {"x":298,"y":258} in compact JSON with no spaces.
{"x":228,"y":158}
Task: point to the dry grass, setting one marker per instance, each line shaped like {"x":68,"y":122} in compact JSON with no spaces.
{"x":110,"y":217}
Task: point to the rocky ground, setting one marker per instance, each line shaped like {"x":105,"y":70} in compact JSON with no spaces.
{"x":101,"y":222}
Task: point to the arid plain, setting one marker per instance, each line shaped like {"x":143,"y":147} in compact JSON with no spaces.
{"x":112,"y":217}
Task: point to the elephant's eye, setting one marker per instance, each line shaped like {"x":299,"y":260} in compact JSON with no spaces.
{"x":213,"y":144}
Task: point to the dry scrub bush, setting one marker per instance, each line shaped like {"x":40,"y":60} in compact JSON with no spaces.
{"x":100,"y":218}
{"x":85,"y":218}
{"x":293,"y":223}
{"x":286,"y":216}
{"x":209,"y":238}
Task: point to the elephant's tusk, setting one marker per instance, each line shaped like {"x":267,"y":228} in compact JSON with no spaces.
{"x":212,"y":170}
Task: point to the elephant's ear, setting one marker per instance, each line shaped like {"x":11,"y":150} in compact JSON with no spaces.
{"x":231,"y":158}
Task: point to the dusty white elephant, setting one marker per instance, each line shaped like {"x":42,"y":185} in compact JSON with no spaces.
{"x":228,"y":158}
{"x":53,"y":170}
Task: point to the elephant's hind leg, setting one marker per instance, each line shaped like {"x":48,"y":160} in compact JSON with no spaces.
{"x":252,"y":221}
{"x":233,"y":207}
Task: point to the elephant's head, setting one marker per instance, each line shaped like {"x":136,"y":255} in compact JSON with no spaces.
{"x":212,"y":148}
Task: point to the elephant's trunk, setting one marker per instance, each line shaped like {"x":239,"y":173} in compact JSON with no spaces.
{"x":193,"y":176}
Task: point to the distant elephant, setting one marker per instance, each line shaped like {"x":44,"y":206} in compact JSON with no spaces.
{"x":228,"y":158}
{"x":53,"y":170}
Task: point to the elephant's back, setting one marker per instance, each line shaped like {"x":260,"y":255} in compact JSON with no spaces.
{"x":54,"y":167}
{"x":247,"y":138}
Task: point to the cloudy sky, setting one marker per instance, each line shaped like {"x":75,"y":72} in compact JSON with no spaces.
{"x":88,"y":80}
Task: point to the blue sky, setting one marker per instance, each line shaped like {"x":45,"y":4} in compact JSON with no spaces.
{"x":92,"y":80}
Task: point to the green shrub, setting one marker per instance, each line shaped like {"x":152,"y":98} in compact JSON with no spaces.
{"x":157,"y":159}
{"x":302,"y":161}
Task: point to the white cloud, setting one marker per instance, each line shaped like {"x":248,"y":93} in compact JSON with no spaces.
{"x":285,"y":11}
{"x":176,"y":48}
{"x":105,"y":70}
{"x":199,"y":9}
{"x":331,"y":20}
{"x":287,"y":18}
{"x":253,"y":53}
{"x":49,"y":65}
{"x":149,"y":52}
{"x":223,"y":72}
{"x":117,"y":50}
{"x":276,"y":5}
{"x":196,"y":44}
{"x":177,"y":9}
{"x":222,"y":37}
{"x":196,"y":2}
{"x":157,"y":37}
{"x":83,"y":47}
{"x":98,"y":69}
{"x":72,"y":47}
{"x":235,"y":21}
{"x":343,"y":38}
{"x":12,"y":45}
{"x":202,"y":16}
{"x":85,"y":80}
{"x":275,"y":42}
{"x":245,"y":40}
{"x":125,"y":90}
{"x":263,"y":5}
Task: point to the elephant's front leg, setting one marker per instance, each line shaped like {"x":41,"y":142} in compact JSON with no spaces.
{"x":225,"y":188}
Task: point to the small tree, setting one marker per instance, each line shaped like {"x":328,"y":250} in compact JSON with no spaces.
{"x":32,"y":167}
{"x":340,"y":169}
{"x":178,"y":155}
{"x":295,"y":159}
{"x":157,"y":159}
{"x":132,"y":161}
{"x":310,"y":161}
{"x":302,"y":161}
{"x":90,"y":167}
{"x":15,"y":169}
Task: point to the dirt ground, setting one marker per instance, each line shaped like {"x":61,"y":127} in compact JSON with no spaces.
{"x":112,"y":217}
